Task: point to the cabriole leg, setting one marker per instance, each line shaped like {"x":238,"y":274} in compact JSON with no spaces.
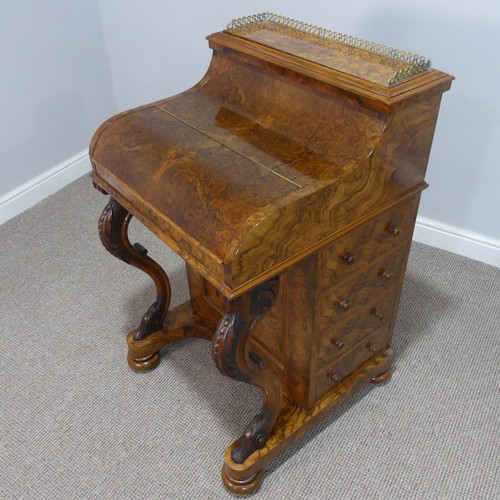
{"x":113,"y":226}
{"x":231,"y":354}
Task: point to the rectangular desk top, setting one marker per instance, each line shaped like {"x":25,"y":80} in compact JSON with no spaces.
{"x":375,"y":63}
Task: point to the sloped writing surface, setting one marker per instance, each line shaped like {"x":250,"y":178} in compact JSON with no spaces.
{"x":298,"y":129}
{"x":193,"y":181}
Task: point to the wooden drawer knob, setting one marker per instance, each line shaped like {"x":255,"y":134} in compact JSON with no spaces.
{"x":393,"y":230}
{"x":337,"y":343}
{"x":349,"y":258}
{"x":377,"y":314}
{"x":344,"y":305}
{"x":140,"y":248}
{"x":387,"y":275}
{"x":333,"y":376}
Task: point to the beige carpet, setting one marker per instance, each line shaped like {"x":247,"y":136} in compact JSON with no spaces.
{"x":76,"y":422}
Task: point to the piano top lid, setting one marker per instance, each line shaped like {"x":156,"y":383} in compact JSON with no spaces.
{"x":377,"y":64}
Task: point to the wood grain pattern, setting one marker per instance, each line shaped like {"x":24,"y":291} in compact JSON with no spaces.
{"x":291,"y":162}
{"x":341,"y":304}
{"x":368,"y":241}
{"x":354,"y":61}
{"x":188,"y":174}
{"x":293,"y":422}
{"x":306,"y":330}
{"x":304,"y":154}
{"x":330,"y":376}
{"x":245,"y":187}
{"x":144,"y":353}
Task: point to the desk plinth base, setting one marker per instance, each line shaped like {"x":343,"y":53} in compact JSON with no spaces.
{"x":283,"y":417}
{"x":144,"y":354}
{"x":293,"y":422}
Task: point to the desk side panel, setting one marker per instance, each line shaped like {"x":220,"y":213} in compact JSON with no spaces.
{"x":395,"y":168}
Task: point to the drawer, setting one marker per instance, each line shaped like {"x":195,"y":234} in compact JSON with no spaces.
{"x":330,"y":375}
{"x":374,"y":238}
{"x":340,"y":308}
{"x":335,"y":342}
{"x":215,"y":298}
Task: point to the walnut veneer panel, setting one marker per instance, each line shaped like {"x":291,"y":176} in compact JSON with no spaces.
{"x":288,"y":179}
{"x":263,"y":126}
{"x":357,"y":62}
{"x":261,"y":163}
{"x":379,"y":236}
{"x":328,"y":305}
{"x":185,"y":172}
{"x":369,"y":301}
{"x":331,"y":376}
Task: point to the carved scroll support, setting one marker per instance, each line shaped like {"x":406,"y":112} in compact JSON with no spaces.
{"x":231,"y":354}
{"x":113,"y":227}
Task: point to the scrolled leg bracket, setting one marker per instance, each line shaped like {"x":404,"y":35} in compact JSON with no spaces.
{"x":232,"y":357}
{"x":113,"y":227}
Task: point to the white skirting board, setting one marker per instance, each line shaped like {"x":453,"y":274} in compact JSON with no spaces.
{"x":458,"y":240}
{"x":431,"y":232}
{"x":30,"y":193}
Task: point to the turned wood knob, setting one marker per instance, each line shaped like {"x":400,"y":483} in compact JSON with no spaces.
{"x":333,"y":376}
{"x":344,"y":305}
{"x":387,"y":275}
{"x":377,"y":314}
{"x":337,"y":343}
{"x":392,"y":229}
{"x":349,"y":258}
{"x":140,"y":248}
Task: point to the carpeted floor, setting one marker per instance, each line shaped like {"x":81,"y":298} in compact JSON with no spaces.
{"x":76,"y":422}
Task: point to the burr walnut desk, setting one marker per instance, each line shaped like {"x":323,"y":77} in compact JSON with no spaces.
{"x":288,"y":179}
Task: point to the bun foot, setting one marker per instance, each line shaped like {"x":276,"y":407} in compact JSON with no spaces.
{"x":144,"y":364}
{"x":240,"y":486}
{"x":383,"y":377}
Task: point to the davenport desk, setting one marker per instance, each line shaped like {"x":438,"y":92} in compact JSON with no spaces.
{"x":288,"y":179}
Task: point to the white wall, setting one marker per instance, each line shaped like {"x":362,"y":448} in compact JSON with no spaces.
{"x":55,"y":87}
{"x":62,"y":72}
{"x":157,"y":49}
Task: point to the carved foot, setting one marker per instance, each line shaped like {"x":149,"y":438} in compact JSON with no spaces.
{"x":254,"y":436}
{"x":113,"y":226}
{"x":144,"y":354}
{"x":232,"y":357}
{"x":241,"y":485}
{"x":383,"y":378}
{"x":144,"y":364}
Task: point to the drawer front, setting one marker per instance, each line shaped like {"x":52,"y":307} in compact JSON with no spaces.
{"x":369,"y":316}
{"x":341,"y":308}
{"x":374,"y":238}
{"x":335,"y":372}
{"x":215,"y":298}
